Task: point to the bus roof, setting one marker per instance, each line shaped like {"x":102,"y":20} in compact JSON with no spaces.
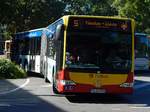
{"x":30,"y":33}
{"x":91,"y":16}
{"x":141,"y":34}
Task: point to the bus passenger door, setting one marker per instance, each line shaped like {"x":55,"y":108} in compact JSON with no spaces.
{"x":59,"y":43}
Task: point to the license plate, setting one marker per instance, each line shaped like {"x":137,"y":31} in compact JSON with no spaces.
{"x":98,"y":91}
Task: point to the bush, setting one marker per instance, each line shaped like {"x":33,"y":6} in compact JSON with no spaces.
{"x":10,"y":70}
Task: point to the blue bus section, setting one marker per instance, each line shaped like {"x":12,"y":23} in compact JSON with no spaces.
{"x":26,"y":49}
{"x":142,"y":53}
{"x":29,"y":34}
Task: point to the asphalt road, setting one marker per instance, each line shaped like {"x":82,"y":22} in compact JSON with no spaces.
{"x":34,"y":95}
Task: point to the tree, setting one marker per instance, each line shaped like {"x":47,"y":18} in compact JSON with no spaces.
{"x":137,"y":9}
{"x":90,"y":7}
{"x":21,"y":15}
{"x":7,"y":11}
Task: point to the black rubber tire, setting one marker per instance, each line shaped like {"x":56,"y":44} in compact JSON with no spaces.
{"x":55,"y":91}
{"x":45,"y":79}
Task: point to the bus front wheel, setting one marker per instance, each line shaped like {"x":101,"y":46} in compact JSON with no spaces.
{"x":45,"y":78}
{"x":55,"y":91}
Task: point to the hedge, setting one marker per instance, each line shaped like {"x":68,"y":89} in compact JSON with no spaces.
{"x":10,"y":70}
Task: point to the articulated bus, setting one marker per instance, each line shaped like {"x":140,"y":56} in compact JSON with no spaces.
{"x":141,"y":51}
{"x":89,"y":54}
{"x":26,"y":49}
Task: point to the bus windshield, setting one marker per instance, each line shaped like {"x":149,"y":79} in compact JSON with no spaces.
{"x":99,"y":50}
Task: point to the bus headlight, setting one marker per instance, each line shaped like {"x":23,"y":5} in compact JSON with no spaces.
{"x":126,"y":85}
{"x":67,"y":82}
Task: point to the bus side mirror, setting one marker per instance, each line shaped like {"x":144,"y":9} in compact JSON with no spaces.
{"x":59,"y":32}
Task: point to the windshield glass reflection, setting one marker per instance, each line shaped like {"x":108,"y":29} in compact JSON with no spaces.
{"x":103,"y":50}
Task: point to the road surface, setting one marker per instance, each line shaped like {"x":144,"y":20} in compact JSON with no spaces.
{"x":32,"y":94}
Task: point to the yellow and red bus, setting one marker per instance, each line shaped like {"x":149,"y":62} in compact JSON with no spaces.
{"x":89,"y":54}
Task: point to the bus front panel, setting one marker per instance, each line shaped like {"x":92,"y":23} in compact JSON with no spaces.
{"x":98,"y":57}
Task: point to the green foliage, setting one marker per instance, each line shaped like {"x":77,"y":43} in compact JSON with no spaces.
{"x":90,"y":7}
{"x":21,"y":15}
{"x":137,"y":9}
{"x":9,"y":70}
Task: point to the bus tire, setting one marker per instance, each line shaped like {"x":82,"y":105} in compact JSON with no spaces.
{"x":55,"y":91}
{"x":45,"y":73}
{"x":45,"y":78}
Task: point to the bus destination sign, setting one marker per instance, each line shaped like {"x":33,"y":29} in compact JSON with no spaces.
{"x":102,"y":23}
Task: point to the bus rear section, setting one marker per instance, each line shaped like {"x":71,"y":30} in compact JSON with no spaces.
{"x":26,"y":49}
{"x":98,"y":56}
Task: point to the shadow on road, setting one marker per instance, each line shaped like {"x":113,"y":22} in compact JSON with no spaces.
{"x":111,"y":99}
{"x":22,"y":100}
{"x":103,"y":98}
{"x":33,"y":74}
